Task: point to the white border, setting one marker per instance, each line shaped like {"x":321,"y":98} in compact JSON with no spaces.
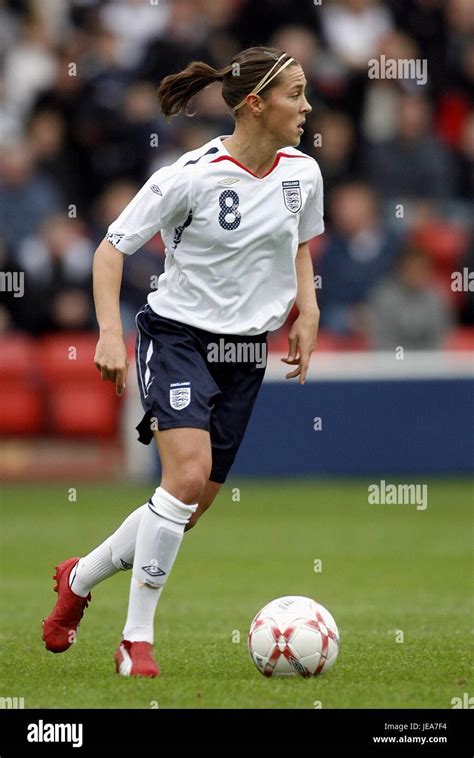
{"x":378,"y":365}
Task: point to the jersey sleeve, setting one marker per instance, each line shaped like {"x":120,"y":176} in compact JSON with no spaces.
{"x":312,"y":216}
{"x":163,"y":201}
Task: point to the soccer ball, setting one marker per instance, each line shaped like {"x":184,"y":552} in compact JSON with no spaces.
{"x":293,"y":636}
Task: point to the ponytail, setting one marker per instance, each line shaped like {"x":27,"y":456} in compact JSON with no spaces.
{"x":176,"y":90}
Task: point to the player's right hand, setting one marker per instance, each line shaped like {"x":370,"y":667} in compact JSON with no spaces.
{"x":112,"y":361}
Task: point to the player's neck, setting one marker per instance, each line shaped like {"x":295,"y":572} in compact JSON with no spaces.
{"x":253,"y":151}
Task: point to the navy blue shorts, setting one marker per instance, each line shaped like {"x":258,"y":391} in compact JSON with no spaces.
{"x":192,"y":378}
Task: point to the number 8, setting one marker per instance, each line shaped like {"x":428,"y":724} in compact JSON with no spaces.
{"x":227,"y":209}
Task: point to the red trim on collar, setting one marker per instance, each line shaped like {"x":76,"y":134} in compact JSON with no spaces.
{"x":275,"y":162}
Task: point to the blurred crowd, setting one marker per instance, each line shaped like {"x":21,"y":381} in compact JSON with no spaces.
{"x":80,"y":131}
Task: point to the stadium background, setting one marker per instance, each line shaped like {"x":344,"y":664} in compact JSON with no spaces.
{"x":390,"y":387}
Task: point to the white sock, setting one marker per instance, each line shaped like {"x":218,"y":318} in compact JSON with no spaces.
{"x":158,"y":540}
{"x":114,"y":554}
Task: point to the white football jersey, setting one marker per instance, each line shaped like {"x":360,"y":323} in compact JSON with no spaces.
{"x":231,"y":237}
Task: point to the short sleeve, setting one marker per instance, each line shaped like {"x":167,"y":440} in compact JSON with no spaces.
{"x":163,"y":201}
{"x":312,"y":216}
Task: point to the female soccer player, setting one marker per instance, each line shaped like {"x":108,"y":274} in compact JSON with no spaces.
{"x":236,"y":216}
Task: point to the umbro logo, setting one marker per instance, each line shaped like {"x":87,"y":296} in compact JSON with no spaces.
{"x":227,"y":182}
{"x":154,"y":570}
{"x":154,"y":188}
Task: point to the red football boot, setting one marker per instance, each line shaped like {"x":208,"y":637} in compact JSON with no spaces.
{"x":135,"y":659}
{"x":59,"y":629}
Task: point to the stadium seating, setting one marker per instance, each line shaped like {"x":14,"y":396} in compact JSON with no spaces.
{"x":445,"y":244}
{"x":461,"y":339}
{"x":51,"y":387}
{"x":21,"y":398}
{"x":21,"y":407}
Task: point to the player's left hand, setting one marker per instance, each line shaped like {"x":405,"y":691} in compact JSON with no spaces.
{"x":301,"y":341}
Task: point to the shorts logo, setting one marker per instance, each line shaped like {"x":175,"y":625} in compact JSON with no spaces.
{"x":154,"y":188}
{"x":292,"y":195}
{"x":180,"y":395}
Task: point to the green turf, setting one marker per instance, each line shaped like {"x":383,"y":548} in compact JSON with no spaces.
{"x":384,"y":568}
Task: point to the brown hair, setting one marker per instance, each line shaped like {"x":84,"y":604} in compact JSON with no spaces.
{"x":238,"y":79}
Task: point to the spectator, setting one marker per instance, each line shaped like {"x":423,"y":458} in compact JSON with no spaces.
{"x":57,"y":267}
{"x":336,"y":155}
{"x":30,"y":66}
{"x":55,"y":158}
{"x":354,"y":28}
{"x":379,"y":116}
{"x":357,"y":254}
{"x":26,"y":197}
{"x":183,"y":39}
{"x":423,"y":22}
{"x":406,"y":310}
{"x":414,"y":163}
{"x":134,"y":23}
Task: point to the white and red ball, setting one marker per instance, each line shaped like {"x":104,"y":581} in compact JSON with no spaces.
{"x":292,"y":636}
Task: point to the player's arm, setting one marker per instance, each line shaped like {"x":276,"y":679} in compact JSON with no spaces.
{"x":303,"y":333}
{"x":111,"y":353}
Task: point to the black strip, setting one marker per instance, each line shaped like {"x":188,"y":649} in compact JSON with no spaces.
{"x":209,"y":152}
{"x":223,"y":732}
{"x":75,"y":572}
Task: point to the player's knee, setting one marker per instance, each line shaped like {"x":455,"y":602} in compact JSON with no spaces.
{"x":191,"y":482}
{"x":192,"y":486}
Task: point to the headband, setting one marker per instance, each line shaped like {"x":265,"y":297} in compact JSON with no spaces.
{"x":266,"y":79}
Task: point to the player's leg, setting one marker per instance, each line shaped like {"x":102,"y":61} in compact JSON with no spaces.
{"x":185,"y":455}
{"x":186,"y":460}
{"x":116,"y":553}
{"x":77,"y":577}
{"x":113,"y":555}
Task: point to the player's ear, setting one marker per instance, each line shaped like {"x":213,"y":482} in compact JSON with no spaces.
{"x":256,"y":105}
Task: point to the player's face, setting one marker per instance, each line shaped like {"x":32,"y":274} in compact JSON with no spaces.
{"x":286,"y":108}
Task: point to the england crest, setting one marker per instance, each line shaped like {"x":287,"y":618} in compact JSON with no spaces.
{"x":292,"y":195}
{"x":180,"y":395}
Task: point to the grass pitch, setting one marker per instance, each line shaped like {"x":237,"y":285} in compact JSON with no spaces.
{"x":396,"y":579}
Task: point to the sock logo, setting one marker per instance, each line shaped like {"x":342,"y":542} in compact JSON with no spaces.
{"x":125,"y":564}
{"x":153,"y":570}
